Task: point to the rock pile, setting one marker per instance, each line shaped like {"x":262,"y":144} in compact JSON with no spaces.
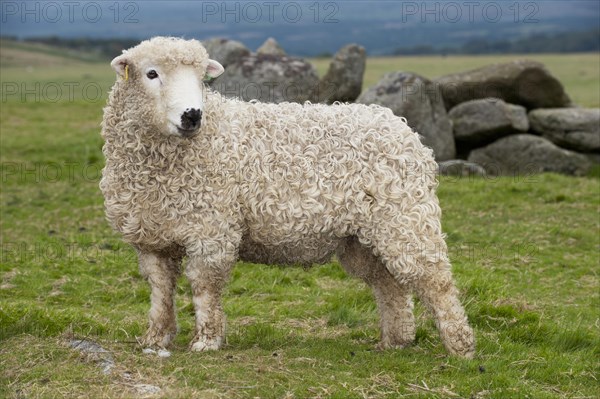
{"x":343,"y":81}
{"x":507,"y":118}
{"x":419,"y":101}
{"x":510,"y":119}
{"x":269,"y":75}
{"x":523,"y":82}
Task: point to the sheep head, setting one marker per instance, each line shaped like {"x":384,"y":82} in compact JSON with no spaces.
{"x":168,"y":74}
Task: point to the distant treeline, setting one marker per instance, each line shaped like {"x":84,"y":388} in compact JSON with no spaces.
{"x":104,"y":48}
{"x":566,"y":42}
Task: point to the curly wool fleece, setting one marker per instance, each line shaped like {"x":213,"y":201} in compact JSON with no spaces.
{"x":276,"y":183}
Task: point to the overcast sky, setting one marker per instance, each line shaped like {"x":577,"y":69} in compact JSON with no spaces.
{"x":379,"y":24}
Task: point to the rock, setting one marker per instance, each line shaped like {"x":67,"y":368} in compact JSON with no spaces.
{"x":270,"y":47}
{"x":268,"y":78}
{"x":146,"y":389}
{"x":460,"y":167}
{"x":343,"y":81}
{"x":522,"y":82}
{"x":94,"y":352}
{"x":593,"y":157}
{"x":419,"y":101}
{"x":164,"y":353}
{"x":87,"y":346}
{"x":225,"y":51}
{"x":574,"y":128}
{"x":479,"y":122}
{"x":526,"y":154}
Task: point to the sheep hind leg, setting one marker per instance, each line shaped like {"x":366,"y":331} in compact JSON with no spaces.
{"x":394,"y":300}
{"x":161,"y":272}
{"x":425,"y":265}
{"x":437,"y":291}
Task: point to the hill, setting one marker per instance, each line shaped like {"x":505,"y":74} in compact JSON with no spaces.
{"x":30,"y":54}
{"x":563,"y":42}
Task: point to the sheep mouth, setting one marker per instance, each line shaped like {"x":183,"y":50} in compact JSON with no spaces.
{"x":188,"y":133}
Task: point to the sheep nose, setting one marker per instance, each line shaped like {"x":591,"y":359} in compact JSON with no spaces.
{"x":191,"y":118}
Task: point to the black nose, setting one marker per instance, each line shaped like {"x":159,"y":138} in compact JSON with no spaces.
{"x":191,"y":119}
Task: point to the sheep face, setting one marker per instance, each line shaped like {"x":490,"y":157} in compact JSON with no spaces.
{"x":177,"y":98}
{"x":173,"y":86}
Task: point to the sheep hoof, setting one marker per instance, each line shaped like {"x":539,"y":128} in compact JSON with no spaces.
{"x":155,"y":338}
{"x":459,"y":340}
{"x":385,"y":345}
{"x":462,"y":347}
{"x":203,"y":344}
{"x":397,"y":336}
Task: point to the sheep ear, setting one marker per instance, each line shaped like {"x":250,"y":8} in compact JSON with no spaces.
{"x":214,"y":69}
{"x":121,"y":65}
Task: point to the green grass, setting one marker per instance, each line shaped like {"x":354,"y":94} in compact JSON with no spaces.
{"x":525,"y":252}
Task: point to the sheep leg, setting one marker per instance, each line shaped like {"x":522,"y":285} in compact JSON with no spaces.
{"x":394,"y":300}
{"x":424,"y":264}
{"x":419,"y":258}
{"x":208,"y":278}
{"x":161,"y":273}
{"x":437,"y":291}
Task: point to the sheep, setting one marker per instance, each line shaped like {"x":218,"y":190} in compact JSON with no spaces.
{"x":192,"y":174}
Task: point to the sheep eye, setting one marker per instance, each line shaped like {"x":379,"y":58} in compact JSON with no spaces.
{"x":152,"y":74}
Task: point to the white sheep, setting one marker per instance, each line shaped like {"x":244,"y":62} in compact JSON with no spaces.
{"x":191,"y":173}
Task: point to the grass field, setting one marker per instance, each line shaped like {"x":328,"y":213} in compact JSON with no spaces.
{"x":525,"y":251}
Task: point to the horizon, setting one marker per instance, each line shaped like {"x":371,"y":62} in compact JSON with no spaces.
{"x":302,"y":27}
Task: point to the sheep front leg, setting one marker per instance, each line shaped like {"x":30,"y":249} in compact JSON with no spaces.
{"x":161,"y":273}
{"x":208,"y":277}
